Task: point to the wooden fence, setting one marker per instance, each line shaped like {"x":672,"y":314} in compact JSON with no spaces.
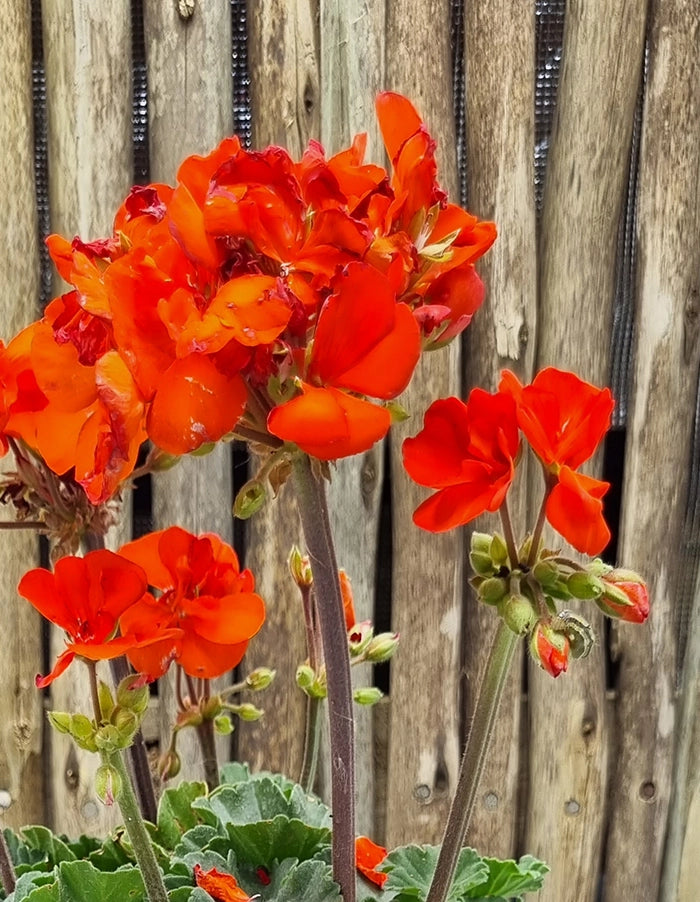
{"x":597,"y":772}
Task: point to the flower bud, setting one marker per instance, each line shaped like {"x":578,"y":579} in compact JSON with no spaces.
{"x":305,"y":677}
{"x":518,"y":613}
{"x":546,"y":573}
{"x":247,"y":712}
{"x":300,"y":568}
{"x":260,"y":678}
{"x":107,"y":704}
{"x":579,"y":632}
{"x":211,"y":707}
{"x":223,"y":725}
{"x":368,"y":695}
{"x":492,"y":590}
{"x":108,"y":738}
{"x":498,"y":550}
{"x":169,"y":765}
{"x":319,"y":687}
{"x":60,"y":720}
{"x":249,"y":499}
{"x":382,"y":647}
{"x":127,"y":723}
{"x":584,"y":585}
{"x":108,"y":784}
{"x":133,"y":693}
{"x":549,"y":648}
{"x":481,"y":542}
{"x":481,"y":563}
{"x":625,"y":596}
{"x":359,"y":637}
{"x":82,"y":729}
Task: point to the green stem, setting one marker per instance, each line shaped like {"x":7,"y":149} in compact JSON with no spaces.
{"x":313,"y":510}
{"x":135,"y":827}
{"x":7,"y":871}
{"x":312,"y":735}
{"x":470,"y":771}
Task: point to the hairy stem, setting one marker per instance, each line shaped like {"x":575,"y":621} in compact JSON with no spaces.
{"x":508,"y":534}
{"x":313,"y":510}
{"x":312,"y":735}
{"x":7,"y":871}
{"x":207,"y":743}
{"x":470,"y":771}
{"x":550,"y":482}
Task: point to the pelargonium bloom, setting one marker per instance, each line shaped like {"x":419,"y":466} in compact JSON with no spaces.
{"x":466,"y":451}
{"x":564,"y":420}
{"x":204,"y":594}
{"x":625,"y":596}
{"x":86,"y":597}
{"x":367,"y":856}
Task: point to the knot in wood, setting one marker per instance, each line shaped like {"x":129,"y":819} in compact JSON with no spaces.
{"x":185,"y":9}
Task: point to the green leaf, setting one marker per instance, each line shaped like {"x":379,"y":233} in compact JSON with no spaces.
{"x":310,"y":881}
{"x":43,"y":840}
{"x":245,"y":803}
{"x":265,"y":842}
{"x":31,"y":881}
{"x":196,"y":839}
{"x":509,"y":879}
{"x":79,"y":881}
{"x":176,"y":814}
{"x":411,"y":870}
{"x":189,"y":894}
{"x":234,"y":772}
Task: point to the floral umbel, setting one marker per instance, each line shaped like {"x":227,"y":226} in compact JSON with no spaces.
{"x":286,"y":304}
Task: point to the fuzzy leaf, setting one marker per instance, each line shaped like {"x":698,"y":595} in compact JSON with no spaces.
{"x":43,"y":840}
{"x":510,"y":879}
{"x":79,"y":881}
{"x":411,"y":870}
{"x":265,"y":842}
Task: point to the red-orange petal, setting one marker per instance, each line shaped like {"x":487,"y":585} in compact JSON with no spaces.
{"x":328,"y":424}
{"x":575,"y":510}
{"x":220,"y":886}
{"x":367,"y":856}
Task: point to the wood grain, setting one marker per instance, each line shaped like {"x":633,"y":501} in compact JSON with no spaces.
{"x":500,"y":106}
{"x":656,"y":469}
{"x":283,"y":57}
{"x":427,"y":588}
{"x":190,"y":95}
{"x":585,"y":184}
{"x":352,"y":73}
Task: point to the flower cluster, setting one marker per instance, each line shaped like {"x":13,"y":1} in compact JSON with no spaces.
{"x":278,"y":300}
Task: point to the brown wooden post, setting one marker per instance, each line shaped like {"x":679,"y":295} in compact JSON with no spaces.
{"x":500,"y":108}
{"x":188,"y":55}
{"x":586,"y":181}
{"x":88,"y":83}
{"x":656,"y":474}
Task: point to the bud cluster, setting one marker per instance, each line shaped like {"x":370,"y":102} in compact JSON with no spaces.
{"x":526,"y":597}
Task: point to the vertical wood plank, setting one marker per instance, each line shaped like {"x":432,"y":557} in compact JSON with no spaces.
{"x":88,"y":77}
{"x":190,"y":97}
{"x":659,"y":442}
{"x":424,"y":743}
{"x":352,"y":67}
{"x":585,"y":184}
{"x":21,"y":790}
{"x":284,"y":71}
{"x":500,"y":106}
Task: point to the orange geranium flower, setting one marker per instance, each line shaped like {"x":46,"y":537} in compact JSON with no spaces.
{"x":204,"y":595}
{"x":220,"y":886}
{"x":86,"y":597}
{"x":467,"y":452}
{"x":564,"y":420}
{"x":367,"y":856}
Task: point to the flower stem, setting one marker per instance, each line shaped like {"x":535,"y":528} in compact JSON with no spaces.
{"x":207,"y":743}
{"x":313,"y":510}
{"x":470,"y":771}
{"x":135,"y":827}
{"x":509,"y":534}
{"x":7,"y":871}
{"x":312,"y":734}
{"x":550,"y":482}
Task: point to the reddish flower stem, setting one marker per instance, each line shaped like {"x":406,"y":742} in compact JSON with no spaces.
{"x":207,"y":743}
{"x":508,"y":534}
{"x":7,"y":871}
{"x":313,"y":510}
{"x":550,"y":482}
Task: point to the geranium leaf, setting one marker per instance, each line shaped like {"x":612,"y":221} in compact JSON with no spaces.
{"x":411,"y":869}
{"x":79,"y":881}
{"x":43,"y":840}
{"x":176,"y":814}
{"x":265,"y":842}
{"x":510,"y":879}
{"x":33,"y":881}
{"x":189,"y":894}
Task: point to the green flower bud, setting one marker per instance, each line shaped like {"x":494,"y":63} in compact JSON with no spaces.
{"x":518,"y":614}
{"x":127,"y":723}
{"x":223,"y":725}
{"x":481,"y":563}
{"x":247,"y":712}
{"x":260,"y":678}
{"x":359,"y":637}
{"x":211,"y":708}
{"x":133,"y":693}
{"x":319,"y":687}
{"x":493,"y":590}
{"x":108,"y":784}
{"x":108,"y":738}
{"x":498,"y":551}
{"x":82,"y":729}
{"x":300,"y":568}
{"x":481,"y":542}
{"x":60,"y":720}
{"x":169,"y":765}
{"x":249,"y":499}
{"x":584,"y":585}
{"x":305,"y":677}
{"x":382,"y":647}
{"x":546,"y":573}
{"x":106,"y":699}
{"x":368,"y":695}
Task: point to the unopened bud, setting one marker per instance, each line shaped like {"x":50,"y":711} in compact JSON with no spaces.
{"x":211,"y":708}
{"x":549,"y":648}
{"x":300,"y":568}
{"x":492,"y":590}
{"x":223,"y":725}
{"x":481,"y":563}
{"x":260,"y":678}
{"x":625,"y":596}
{"x":305,"y":677}
{"x":127,"y":723}
{"x":247,"y":712}
{"x":82,"y":729}
{"x":584,"y":585}
{"x":518,"y":613}
{"x":546,"y":573}
{"x":359,"y":637}
{"x":382,"y":647}
{"x":368,"y":695}
{"x":481,"y":542}
{"x":108,"y":738}
{"x":104,"y":695}
{"x":133,"y":693}
{"x":169,"y":765}
{"x":60,"y":720}
{"x":498,"y":550}
{"x":249,"y":500}
{"x":108,"y":784}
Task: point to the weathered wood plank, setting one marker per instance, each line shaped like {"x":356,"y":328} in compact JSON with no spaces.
{"x":659,"y":442}
{"x":424,"y":742}
{"x":500,"y":106}
{"x":352,"y":65}
{"x":586,"y":181}
{"x":87,"y":52}
{"x":190,"y":101}
{"x":21,"y":791}
{"x":283,"y":57}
